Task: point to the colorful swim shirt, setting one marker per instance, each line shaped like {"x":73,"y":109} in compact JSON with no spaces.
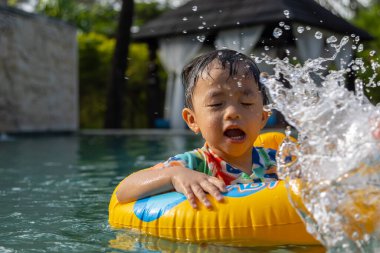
{"x":206,"y":161}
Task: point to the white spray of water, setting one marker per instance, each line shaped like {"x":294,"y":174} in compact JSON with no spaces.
{"x":336,"y":172}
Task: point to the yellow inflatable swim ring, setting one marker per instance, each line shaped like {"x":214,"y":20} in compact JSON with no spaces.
{"x":256,"y":214}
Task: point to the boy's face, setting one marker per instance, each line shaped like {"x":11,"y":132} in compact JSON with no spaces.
{"x":227,"y":111}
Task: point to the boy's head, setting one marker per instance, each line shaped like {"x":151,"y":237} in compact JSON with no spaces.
{"x":224,"y":101}
{"x":229,"y":60}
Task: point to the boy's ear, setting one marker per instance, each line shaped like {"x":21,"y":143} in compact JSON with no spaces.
{"x":190,"y":119}
{"x":265,"y":117}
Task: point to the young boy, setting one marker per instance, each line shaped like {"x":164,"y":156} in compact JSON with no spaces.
{"x":224,"y":103}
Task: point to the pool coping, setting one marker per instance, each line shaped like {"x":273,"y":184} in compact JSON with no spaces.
{"x":141,"y":131}
{"x":152,"y":131}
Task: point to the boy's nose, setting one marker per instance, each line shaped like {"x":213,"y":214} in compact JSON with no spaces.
{"x":232,"y":113}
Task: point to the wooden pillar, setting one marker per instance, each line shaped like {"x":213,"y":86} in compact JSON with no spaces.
{"x":154,"y":110}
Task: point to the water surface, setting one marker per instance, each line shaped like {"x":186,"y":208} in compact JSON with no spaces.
{"x":55,"y":189}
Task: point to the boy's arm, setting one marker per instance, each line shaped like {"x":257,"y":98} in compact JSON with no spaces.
{"x":143,"y":183}
{"x":193,"y":184}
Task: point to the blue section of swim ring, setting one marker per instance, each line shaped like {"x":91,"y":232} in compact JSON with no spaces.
{"x":152,"y":208}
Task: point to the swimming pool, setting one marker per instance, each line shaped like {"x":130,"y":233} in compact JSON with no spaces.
{"x":55,"y":189}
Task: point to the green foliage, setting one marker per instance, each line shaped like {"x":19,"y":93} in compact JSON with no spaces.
{"x":147,"y":11}
{"x":87,"y":16}
{"x":369,"y":20}
{"x":136,"y":99}
{"x":95,"y":54}
{"x":94,"y":15}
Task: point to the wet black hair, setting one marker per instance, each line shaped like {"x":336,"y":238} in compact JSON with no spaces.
{"x":228,"y":59}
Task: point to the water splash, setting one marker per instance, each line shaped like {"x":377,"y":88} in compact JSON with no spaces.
{"x":286,"y":13}
{"x":277,"y":32}
{"x":335,"y":167}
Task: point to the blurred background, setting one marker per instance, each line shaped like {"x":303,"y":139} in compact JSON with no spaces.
{"x":67,"y":65}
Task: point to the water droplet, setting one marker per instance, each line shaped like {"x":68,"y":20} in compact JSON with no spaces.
{"x":201,"y":38}
{"x":239,"y":84}
{"x":201,"y":27}
{"x":203,"y":23}
{"x":318,"y":35}
{"x":331,"y":39}
{"x":288,"y":131}
{"x":360,"y":48}
{"x":287,"y":27}
{"x":357,"y":39}
{"x":258,"y":60}
{"x":372,"y":53}
{"x":184,"y":18}
{"x":238,"y":23}
{"x":277,"y":32}
{"x":126,"y":77}
{"x":200,"y":17}
{"x":195,"y":8}
{"x":355,"y":67}
{"x":308,"y":28}
{"x":286,"y":13}
{"x":300,"y":29}
{"x":266,"y":48}
{"x":281,"y":24}
{"x":184,"y":31}
{"x":344,"y":40}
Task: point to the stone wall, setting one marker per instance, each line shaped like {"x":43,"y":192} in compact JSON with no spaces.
{"x":38,"y":73}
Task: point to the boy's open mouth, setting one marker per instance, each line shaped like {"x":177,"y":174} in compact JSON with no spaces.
{"x":235,"y":134}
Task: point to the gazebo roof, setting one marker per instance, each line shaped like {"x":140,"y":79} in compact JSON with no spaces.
{"x":215,"y":15}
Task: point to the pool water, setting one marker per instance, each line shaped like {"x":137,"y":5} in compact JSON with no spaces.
{"x":54,"y":193}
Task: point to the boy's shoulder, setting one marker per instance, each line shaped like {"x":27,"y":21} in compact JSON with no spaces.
{"x":191,"y":159}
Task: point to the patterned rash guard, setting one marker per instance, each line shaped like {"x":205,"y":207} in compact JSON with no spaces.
{"x":206,"y":161}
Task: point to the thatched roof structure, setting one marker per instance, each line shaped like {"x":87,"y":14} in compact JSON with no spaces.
{"x":248,"y":26}
{"x":216,"y":15}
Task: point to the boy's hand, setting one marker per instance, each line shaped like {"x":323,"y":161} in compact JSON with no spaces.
{"x":194,"y":185}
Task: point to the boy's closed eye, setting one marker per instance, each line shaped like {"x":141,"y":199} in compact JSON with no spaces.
{"x":217,"y":104}
{"x":248,"y":100}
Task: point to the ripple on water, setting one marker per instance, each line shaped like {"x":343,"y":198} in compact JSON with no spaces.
{"x":6,"y":250}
